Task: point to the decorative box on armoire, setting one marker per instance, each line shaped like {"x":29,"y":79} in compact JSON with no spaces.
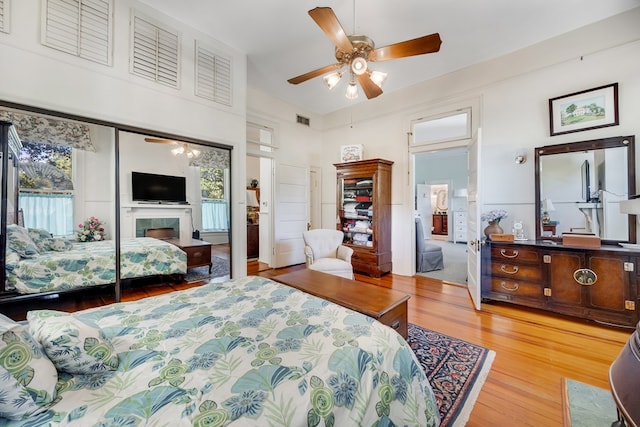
{"x":364,"y":213}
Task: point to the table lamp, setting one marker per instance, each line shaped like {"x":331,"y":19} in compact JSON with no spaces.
{"x":547,"y":206}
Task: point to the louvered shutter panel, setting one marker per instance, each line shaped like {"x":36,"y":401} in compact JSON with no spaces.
{"x":80,"y":27}
{"x":4,"y":15}
{"x":213,"y":76}
{"x":155,"y":52}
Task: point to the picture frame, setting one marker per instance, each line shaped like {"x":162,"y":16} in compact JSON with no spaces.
{"x":351,"y":153}
{"x":588,"y":109}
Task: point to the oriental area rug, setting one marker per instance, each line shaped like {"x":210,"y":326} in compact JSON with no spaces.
{"x":219,"y":268}
{"x":456,"y":370}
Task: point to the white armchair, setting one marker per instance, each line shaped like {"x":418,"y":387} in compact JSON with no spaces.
{"x":324,"y":251}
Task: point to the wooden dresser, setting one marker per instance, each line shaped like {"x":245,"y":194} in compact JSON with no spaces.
{"x":599,"y":284}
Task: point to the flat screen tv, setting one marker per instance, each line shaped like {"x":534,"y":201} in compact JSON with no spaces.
{"x":154,"y":188}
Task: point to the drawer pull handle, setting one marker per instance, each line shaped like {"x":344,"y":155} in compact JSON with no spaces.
{"x":514,"y":269}
{"x":585,"y":276}
{"x":503,"y":285}
{"x":503,"y":252}
{"x":395,"y":325}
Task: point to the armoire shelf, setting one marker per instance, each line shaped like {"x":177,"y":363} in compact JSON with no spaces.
{"x":364,"y":213}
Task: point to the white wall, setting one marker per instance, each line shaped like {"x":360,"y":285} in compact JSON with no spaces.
{"x":47,"y":78}
{"x":514,"y":91}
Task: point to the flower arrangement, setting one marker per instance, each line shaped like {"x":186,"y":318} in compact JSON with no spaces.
{"x":495,"y":215}
{"x":90,"y":230}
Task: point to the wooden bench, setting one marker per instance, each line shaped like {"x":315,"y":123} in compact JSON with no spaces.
{"x":383,"y":304}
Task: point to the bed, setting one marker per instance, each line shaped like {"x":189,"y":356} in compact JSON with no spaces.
{"x":45,"y":264}
{"x":247,"y":351}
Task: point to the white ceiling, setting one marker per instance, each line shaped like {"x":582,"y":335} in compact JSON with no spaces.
{"x":282,"y":41}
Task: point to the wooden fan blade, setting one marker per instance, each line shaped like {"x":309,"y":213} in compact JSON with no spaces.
{"x":315,"y":73}
{"x":419,"y":46}
{"x":328,"y":22}
{"x":368,"y":86}
{"x":159,"y":141}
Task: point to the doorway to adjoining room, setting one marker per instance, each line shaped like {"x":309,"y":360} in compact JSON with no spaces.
{"x":440,"y":187}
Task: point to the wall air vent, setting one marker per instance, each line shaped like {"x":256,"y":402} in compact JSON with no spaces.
{"x":303,"y":120}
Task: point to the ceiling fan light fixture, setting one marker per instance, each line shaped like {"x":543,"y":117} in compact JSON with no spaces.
{"x":378,"y":77}
{"x":359,"y":65}
{"x":352,"y":90}
{"x":332,"y":79}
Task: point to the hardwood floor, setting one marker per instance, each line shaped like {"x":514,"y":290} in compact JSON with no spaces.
{"x":534,"y":350}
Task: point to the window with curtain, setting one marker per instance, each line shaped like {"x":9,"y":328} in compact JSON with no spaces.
{"x":214,"y":164}
{"x":46,"y":190}
{"x":214,"y":203}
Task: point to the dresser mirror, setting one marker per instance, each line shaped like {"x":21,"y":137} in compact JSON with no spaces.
{"x":579,"y":187}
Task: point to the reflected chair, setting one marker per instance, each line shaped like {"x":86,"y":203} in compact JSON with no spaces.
{"x":624,"y":379}
{"x":325,"y":252}
{"x":428,"y":257}
{"x":162,"y":233}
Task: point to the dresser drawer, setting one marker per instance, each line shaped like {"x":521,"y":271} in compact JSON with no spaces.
{"x":515,"y":271}
{"x":514,"y":254}
{"x":516,"y":287}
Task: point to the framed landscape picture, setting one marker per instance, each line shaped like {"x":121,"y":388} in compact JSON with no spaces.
{"x":589,"y":109}
{"x":351,"y":153}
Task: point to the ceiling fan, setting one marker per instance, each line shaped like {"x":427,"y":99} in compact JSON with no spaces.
{"x":355,"y":51}
{"x":183,"y":147}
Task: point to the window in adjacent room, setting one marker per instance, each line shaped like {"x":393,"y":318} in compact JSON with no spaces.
{"x":83,"y":28}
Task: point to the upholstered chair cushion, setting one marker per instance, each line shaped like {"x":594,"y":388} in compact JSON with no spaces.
{"x":325,"y":252}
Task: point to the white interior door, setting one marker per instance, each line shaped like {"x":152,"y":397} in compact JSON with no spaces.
{"x":473,"y":221}
{"x":423,"y":206}
{"x":315,"y":192}
{"x":290,"y":217}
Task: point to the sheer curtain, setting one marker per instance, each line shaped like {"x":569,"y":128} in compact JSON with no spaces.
{"x":52,"y":212}
{"x":214,"y":215}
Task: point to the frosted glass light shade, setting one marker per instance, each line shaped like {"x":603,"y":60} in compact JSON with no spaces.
{"x":352,"y":90}
{"x":332,"y":79}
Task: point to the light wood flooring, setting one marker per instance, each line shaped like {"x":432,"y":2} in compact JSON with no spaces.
{"x":534,"y":350}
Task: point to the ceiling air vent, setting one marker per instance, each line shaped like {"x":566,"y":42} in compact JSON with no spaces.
{"x":303,"y":120}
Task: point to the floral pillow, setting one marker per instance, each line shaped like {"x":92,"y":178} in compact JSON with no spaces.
{"x":43,"y":240}
{"x":27,"y":378}
{"x":74,"y":346}
{"x":18,"y":240}
{"x":40,"y":237}
{"x":59,"y":244}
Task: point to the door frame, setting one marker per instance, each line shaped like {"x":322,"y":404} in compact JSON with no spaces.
{"x":474,"y":106}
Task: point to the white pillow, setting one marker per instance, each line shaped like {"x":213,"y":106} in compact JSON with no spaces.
{"x":27,"y":378}
{"x":74,"y":346}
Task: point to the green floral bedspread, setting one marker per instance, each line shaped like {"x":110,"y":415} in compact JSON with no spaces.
{"x":246,"y":352}
{"x":93,"y":263}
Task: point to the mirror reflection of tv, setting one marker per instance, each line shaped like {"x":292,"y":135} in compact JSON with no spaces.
{"x":155,"y":188}
{"x":586,"y":181}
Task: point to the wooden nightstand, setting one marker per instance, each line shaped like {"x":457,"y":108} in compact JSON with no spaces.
{"x":198,"y":252}
{"x":549,"y":227}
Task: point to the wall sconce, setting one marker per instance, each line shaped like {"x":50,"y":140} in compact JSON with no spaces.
{"x":520,"y":159}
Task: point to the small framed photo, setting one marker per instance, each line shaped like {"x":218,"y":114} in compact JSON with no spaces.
{"x":588,"y":109}
{"x":351,"y":153}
